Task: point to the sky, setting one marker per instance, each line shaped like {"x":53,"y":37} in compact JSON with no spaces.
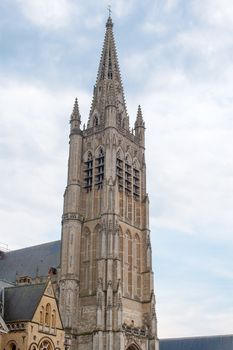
{"x":176,"y":61}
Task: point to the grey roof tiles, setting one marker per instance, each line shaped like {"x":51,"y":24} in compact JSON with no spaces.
{"x":31,"y":261}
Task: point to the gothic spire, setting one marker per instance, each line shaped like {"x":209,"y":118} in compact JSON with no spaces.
{"x":75,"y":118}
{"x":139,"y":119}
{"x":108,"y":90}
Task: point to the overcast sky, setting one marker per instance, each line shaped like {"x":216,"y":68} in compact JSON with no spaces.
{"x":176,"y":61}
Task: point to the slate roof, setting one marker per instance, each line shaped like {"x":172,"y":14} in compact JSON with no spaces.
{"x":30,"y":261}
{"x":221,"y":342}
{"x":20,"y":302}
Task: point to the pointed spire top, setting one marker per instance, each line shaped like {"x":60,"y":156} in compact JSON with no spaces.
{"x":75,"y":118}
{"x":109,"y":23}
{"x":75,"y":112}
{"x":108,"y":90}
{"x":139,"y":119}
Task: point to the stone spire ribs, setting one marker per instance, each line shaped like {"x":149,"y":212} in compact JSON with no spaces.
{"x":108,"y":90}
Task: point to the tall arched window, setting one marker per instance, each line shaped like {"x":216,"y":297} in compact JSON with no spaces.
{"x":96,"y":121}
{"x":119,"y":170}
{"x":47,"y":315}
{"x":42,"y":315}
{"x":12,"y":346}
{"x":53,"y":319}
{"x":99,"y":168}
{"x":128,"y":175}
{"x":88,"y":172}
{"x":136,"y":181}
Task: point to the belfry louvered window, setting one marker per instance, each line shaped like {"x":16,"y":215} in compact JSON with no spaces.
{"x":136,"y":183}
{"x":119,"y":172}
{"x":88,"y":176}
{"x":128,"y":177}
{"x":99,"y":168}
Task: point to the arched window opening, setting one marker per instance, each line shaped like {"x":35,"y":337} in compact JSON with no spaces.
{"x":45,"y":345}
{"x":133,"y":347}
{"x":42,"y":315}
{"x":88,"y":172}
{"x":119,"y":170}
{"x":99,"y":166}
{"x":54,"y":319}
{"x":96,"y":121}
{"x":47,"y":315}
{"x":136,"y":182}
{"x":128,"y":176}
{"x":13,"y":346}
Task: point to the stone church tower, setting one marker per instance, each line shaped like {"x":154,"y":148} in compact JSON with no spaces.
{"x":106,"y":294}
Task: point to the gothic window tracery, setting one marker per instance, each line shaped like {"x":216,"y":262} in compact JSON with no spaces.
{"x":99,"y":168}
{"x":45,"y":345}
{"x":136,"y":181}
{"x":119,"y":170}
{"x":128,"y":176}
{"x":88,"y":172}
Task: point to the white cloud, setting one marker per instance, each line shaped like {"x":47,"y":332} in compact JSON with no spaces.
{"x":154,"y":28}
{"x":49,"y":14}
{"x":34,"y":149}
{"x":214,"y":12}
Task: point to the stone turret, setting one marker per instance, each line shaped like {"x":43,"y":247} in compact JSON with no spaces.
{"x":75,"y":118}
{"x":139,"y":127}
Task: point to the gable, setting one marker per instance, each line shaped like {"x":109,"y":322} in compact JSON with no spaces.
{"x":47,"y":312}
{"x":21,"y":302}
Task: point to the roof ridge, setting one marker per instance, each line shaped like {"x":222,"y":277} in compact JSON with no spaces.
{"x":27,"y":285}
{"x":36,"y":245}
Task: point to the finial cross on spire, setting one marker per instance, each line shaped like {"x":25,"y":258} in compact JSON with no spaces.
{"x":109,"y":10}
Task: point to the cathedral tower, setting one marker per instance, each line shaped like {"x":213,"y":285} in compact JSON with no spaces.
{"x":106,"y":294}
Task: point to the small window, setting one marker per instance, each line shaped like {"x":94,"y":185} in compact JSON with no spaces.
{"x":47,"y":314}
{"x":96,"y":121}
